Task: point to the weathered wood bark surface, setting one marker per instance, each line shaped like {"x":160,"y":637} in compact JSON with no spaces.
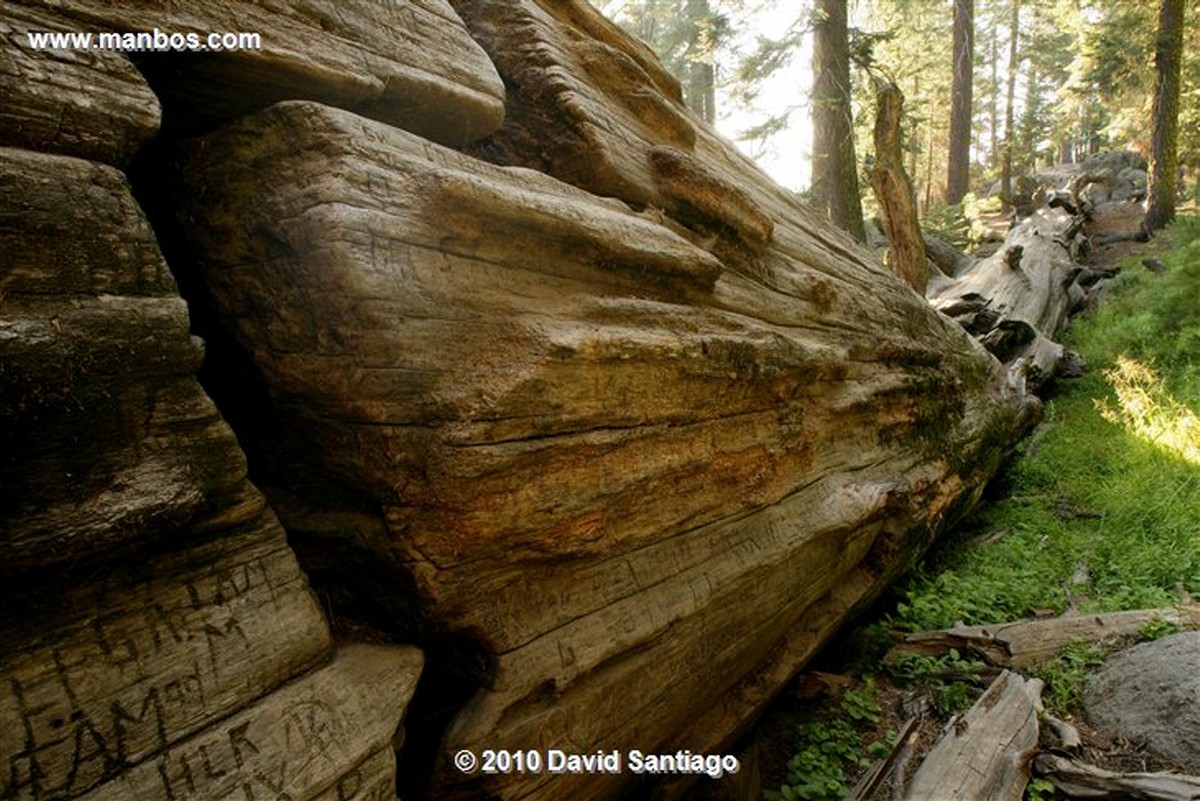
{"x":633,"y":410}
{"x":97,"y":390}
{"x":1080,"y":780}
{"x":533,"y":430}
{"x":1027,"y":642}
{"x":150,"y":609}
{"x":111,"y":671}
{"x":641,"y":432}
{"x":324,"y":736}
{"x":986,"y":755}
{"x":412,"y":64}
{"x":1017,"y":300}
{"x":90,"y":104}
{"x":148,"y":592}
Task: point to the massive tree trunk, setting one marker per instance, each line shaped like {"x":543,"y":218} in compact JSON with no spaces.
{"x":958,"y":170}
{"x":1168,"y":57}
{"x":834,"y":167}
{"x":893,"y":190}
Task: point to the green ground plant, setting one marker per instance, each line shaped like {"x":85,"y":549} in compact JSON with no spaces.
{"x":1066,"y":675}
{"x":828,"y":750}
{"x":947,"y":679}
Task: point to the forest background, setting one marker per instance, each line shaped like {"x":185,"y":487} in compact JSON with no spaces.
{"x":1051,"y":81}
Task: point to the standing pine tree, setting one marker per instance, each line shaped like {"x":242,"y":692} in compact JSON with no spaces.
{"x":959,"y":164}
{"x":834,"y":170}
{"x":1168,"y":58}
{"x":1006,"y":158}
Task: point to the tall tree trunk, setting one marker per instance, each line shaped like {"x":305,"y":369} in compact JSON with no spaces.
{"x":1033,"y":110}
{"x":1006,"y":191}
{"x":929,"y":172}
{"x":994,"y":102}
{"x":1168,"y":56}
{"x":834,"y":170}
{"x":915,"y":147}
{"x":894,"y":191}
{"x":959,"y":165}
{"x":701,"y":84}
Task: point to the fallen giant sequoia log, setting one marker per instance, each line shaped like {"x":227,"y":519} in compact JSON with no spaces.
{"x":644,"y":441}
{"x":613,"y":425}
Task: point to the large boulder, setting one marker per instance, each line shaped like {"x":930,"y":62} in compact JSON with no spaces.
{"x":1150,"y":694}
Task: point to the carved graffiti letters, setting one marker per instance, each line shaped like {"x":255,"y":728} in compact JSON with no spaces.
{"x":293,"y":745}
{"x":163,"y":657}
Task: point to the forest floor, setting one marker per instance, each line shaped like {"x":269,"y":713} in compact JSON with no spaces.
{"x":1096,"y":512}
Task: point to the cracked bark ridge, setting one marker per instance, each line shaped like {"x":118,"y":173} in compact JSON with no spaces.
{"x":90,"y":104}
{"x":100,"y":409}
{"x":411,"y":64}
{"x":614,"y":116}
{"x":152,"y":611}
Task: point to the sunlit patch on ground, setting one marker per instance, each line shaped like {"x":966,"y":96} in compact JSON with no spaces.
{"x":1147,"y":410}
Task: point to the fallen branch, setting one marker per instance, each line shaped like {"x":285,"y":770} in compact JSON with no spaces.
{"x":1027,"y":642}
{"x":1080,"y":780}
{"x":908,"y":747}
{"x":869,"y":783}
{"x":986,"y":755}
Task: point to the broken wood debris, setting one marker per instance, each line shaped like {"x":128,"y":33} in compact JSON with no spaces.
{"x":1081,"y":780}
{"x":1026,"y":642}
{"x":986,"y":754}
